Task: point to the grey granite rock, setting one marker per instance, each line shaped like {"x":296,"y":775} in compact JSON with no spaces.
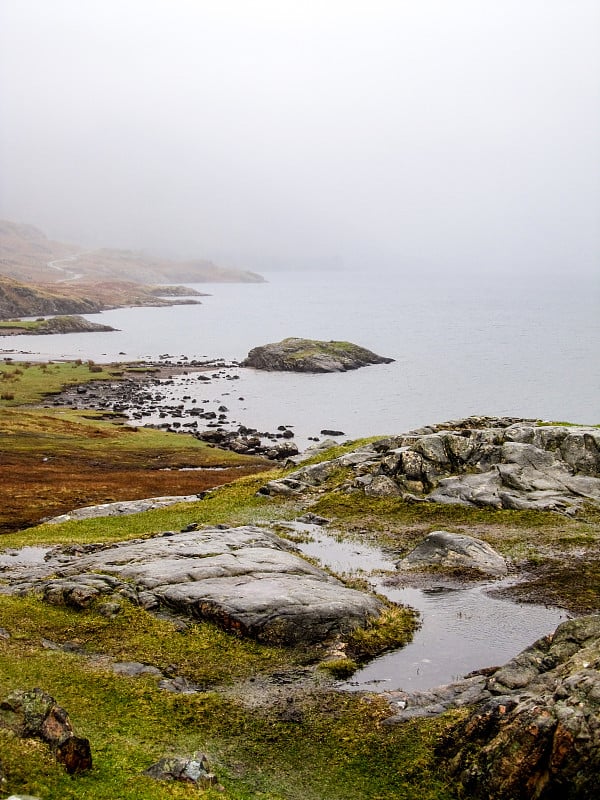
{"x":246,"y":579}
{"x":122,"y":508}
{"x":451,"y":550}
{"x":480,"y":461}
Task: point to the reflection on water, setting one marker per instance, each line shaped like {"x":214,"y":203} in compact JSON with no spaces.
{"x":462,"y":629}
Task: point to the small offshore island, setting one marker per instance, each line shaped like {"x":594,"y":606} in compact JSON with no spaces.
{"x":310,"y":355}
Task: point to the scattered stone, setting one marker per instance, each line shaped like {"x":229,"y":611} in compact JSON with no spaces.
{"x":327,"y":432}
{"x":194,"y":770}
{"x":452,"y":550}
{"x":134,"y":669}
{"x":313,"y":519}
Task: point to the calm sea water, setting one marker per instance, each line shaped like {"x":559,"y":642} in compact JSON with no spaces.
{"x":478,"y":347}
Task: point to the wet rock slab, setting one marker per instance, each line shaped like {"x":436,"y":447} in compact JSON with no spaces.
{"x":246,"y":579}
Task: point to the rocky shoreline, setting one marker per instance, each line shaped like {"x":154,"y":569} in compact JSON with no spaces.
{"x":143,"y":393}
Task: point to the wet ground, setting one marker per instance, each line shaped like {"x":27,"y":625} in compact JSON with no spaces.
{"x":465,"y":626}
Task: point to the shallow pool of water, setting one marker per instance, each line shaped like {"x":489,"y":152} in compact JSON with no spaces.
{"x":462,"y":629}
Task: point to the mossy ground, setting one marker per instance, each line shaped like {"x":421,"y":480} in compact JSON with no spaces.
{"x":307,"y":741}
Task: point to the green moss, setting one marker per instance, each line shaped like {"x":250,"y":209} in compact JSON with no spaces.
{"x":339,"y":668}
{"x":392,"y":629}
{"x":333,"y":742}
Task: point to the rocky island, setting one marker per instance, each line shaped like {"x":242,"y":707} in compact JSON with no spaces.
{"x":311,"y":355}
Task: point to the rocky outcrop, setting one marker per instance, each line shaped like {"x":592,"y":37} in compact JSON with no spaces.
{"x":310,"y":355}
{"x":538,"y":736}
{"x":479,"y":461}
{"x":452,"y":551}
{"x":35,"y":714}
{"x":20,"y":300}
{"x":247,"y":580}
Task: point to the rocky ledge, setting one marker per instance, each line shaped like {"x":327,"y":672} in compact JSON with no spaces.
{"x":533,"y":729}
{"x":479,"y":461}
{"x":310,"y":355}
{"x":246,"y":579}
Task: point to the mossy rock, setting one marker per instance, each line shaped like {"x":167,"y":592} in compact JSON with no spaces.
{"x":310,"y":355}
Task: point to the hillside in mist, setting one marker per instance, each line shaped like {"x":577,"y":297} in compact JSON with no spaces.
{"x":26,"y":254}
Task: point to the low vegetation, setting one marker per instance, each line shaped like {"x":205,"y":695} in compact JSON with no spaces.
{"x":267,"y":717}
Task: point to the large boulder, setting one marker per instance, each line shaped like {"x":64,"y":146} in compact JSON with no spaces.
{"x":454,"y":550}
{"x":311,"y":355}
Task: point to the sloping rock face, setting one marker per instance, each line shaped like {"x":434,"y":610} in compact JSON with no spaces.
{"x":310,"y":355}
{"x":479,"y":461}
{"x":246,"y":579}
{"x":539,"y":734}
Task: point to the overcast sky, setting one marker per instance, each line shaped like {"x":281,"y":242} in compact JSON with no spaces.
{"x":441,"y":135}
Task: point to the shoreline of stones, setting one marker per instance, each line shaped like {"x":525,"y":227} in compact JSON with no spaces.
{"x":138,"y":396}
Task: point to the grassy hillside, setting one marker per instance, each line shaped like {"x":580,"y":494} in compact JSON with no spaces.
{"x":26,"y":254}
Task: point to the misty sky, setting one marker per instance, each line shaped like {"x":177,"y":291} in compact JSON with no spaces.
{"x":442,"y":135}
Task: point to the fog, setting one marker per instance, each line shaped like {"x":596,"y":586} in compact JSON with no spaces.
{"x":457,"y":137}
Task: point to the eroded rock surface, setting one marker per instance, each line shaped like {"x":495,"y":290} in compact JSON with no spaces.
{"x":479,"y":461}
{"x":246,"y":579}
{"x":310,"y":355}
{"x":35,"y":714}
{"x":534,"y":731}
{"x":123,"y":508}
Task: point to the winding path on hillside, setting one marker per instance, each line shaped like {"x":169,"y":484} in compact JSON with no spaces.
{"x":69,"y":275}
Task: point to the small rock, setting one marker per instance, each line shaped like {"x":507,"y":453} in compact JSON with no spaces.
{"x":134,"y":668}
{"x":35,"y":714}
{"x":194,"y":770}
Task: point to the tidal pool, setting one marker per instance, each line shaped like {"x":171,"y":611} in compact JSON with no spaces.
{"x":462,"y":629}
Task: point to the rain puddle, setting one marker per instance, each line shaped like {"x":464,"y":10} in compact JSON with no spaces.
{"x":462,"y":629}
